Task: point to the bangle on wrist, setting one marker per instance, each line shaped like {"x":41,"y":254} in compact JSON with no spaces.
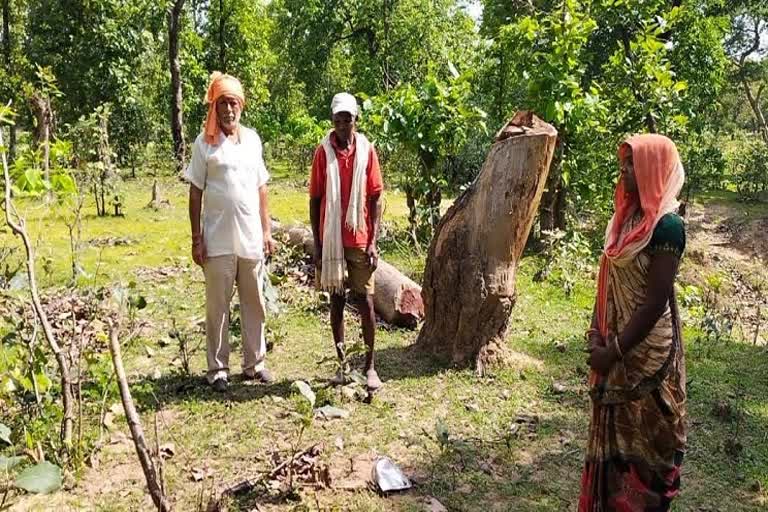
{"x":617,"y":347}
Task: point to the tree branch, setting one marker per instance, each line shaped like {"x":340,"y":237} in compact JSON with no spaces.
{"x":18,"y":228}
{"x":134,"y":423}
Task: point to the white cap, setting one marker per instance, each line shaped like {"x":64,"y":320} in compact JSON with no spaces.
{"x":344,"y":102}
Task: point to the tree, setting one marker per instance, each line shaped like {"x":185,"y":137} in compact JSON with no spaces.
{"x":105,"y":51}
{"x":744,"y":45}
{"x":430,"y":122}
{"x":469,"y":279}
{"x":599,"y":70}
{"x":370,"y":45}
{"x":40,"y":98}
{"x":177,"y":100}
{"x":7,"y":60}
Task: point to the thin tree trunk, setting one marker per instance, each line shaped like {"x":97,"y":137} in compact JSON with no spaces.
{"x":762,"y":126}
{"x":222,"y":43}
{"x":469,"y":280}
{"x":19,"y":230}
{"x":7,"y":52}
{"x":47,"y":147}
{"x":548,"y":214}
{"x":177,"y":122}
{"x":134,"y":423}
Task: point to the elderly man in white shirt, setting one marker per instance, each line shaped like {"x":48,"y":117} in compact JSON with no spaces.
{"x":227,"y":171}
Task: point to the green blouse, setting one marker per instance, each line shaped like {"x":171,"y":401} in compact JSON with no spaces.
{"x":669,"y":236}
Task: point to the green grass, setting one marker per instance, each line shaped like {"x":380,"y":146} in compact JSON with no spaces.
{"x":484,"y":467}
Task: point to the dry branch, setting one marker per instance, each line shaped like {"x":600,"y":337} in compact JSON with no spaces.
{"x":134,"y":423}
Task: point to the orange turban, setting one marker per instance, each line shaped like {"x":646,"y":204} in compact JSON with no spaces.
{"x":220,"y":85}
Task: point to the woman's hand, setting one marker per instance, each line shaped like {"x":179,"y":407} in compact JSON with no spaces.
{"x":602,"y":356}
{"x":595,"y":340}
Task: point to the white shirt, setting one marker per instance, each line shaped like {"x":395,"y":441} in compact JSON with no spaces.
{"x":230,"y":174}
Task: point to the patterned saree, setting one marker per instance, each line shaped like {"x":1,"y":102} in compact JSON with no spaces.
{"x":637,"y":429}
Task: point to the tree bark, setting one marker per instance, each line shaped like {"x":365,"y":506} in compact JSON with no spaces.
{"x":222,"y":42}
{"x":134,"y":423}
{"x":7,"y":53}
{"x":397,"y":299}
{"x":177,"y":121}
{"x":469,"y":281}
{"x":41,"y":107}
{"x":760,"y":121}
{"x":552,"y":206}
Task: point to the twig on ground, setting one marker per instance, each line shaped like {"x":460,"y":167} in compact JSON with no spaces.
{"x":134,"y":423}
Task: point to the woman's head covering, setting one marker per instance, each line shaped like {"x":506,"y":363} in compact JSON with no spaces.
{"x":220,"y":85}
{"x":659,"y":175}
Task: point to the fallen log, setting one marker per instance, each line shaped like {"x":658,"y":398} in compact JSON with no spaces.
{"x":397,"y":299}
{"x":469,"y":280}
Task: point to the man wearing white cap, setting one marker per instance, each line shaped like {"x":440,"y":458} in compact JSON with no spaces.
{"x":345,"y":209}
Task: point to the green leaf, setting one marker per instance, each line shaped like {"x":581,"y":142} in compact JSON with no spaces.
{"x":441,"y":430}
{"x":5,"y":434}
{"x":42,"y":478}
{"x":8,"y":463}
{"x":305,"y":391}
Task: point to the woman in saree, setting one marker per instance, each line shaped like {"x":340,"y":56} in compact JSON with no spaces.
{"x":637,"y":380}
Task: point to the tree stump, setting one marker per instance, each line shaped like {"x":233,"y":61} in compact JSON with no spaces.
{"x":469,"y":281}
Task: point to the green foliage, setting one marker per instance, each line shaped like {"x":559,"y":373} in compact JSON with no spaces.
{"x":431,"y":122}
{"x":705,"y":164}
{"x":94,"y":156}
{"x":749,"y":170}
{"x":42,"y":478}
{"x":105,"y":51}
{"x":568,"y":257}
{"x":369,"y":46}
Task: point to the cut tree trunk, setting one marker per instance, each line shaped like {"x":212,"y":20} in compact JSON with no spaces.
{"x":469,"y":281}
{"x":397,"y":299}
{"x":177,"y":122}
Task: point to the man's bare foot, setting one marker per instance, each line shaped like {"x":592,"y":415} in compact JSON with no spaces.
{"x":372,"y":380}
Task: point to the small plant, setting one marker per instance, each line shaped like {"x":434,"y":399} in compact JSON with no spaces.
{"x":17,"y":475}
{"x":568,"y":256}
{"x":303,"y":414}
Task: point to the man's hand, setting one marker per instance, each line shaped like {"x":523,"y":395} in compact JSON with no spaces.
{"x":373,"y":256}
{"x":198,"y":251}
{"x":270,"y":246}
